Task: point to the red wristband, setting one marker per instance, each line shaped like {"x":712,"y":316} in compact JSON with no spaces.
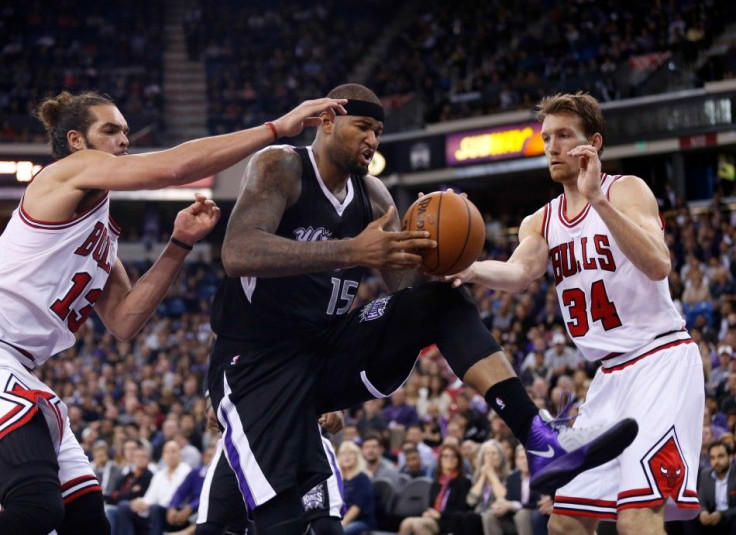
{"x":273,"y":129}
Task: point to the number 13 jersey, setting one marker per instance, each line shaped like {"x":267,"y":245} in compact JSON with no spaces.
{"x":51,"y":275}
{"x":609,"y":306}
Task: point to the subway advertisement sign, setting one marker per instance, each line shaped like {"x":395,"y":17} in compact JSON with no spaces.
{"x":490,"y":144}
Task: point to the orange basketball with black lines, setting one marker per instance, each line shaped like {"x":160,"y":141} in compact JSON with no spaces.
{"x":455,"y":224}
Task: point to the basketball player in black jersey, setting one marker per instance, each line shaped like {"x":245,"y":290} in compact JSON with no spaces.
{"x":307,"y":226}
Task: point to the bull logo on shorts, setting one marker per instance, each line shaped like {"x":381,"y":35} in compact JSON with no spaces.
{"x":670,"y":475}
{"x":668,"y":469}
{"x":374,"y":309}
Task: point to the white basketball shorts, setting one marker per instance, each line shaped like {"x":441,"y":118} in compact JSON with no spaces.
{"x":22,"y":395}
{"x":662,"y":389}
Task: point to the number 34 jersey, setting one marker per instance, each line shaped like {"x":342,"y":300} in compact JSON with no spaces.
{"x":51,"y":275}
{"x":609,"y":306}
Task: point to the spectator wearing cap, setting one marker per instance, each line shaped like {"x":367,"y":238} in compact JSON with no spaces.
{"x":720,"y":372}
{"x":560,"y":358}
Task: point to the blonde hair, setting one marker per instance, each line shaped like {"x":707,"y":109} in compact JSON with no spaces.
{"x":351,"y":447}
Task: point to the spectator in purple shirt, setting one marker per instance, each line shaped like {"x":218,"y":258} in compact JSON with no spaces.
{"x":185,"y":501}
{"x":399,"y":412}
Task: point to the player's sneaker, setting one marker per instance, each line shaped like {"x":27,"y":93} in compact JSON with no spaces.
{"x":558,"y":453}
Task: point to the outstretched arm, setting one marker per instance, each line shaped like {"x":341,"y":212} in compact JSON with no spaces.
{"x":192,"y":160}
{"x":528,"y":261}
{"x":272,"y":183}
{"x":125,"y":309}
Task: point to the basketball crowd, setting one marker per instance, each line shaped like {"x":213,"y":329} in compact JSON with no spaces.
{"x":452,"y":60}
{"x":138,"y":406}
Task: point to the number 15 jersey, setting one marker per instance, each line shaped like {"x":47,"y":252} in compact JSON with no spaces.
{"x":51,"y":275}
{"x":609,"y":306}
{"x":273,"y":308}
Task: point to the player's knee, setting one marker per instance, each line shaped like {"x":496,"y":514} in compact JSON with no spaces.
{"x":85,"y":514}
{"x":635,"y":521}
{"x":560,"y":525}
{"x":34,"y":509}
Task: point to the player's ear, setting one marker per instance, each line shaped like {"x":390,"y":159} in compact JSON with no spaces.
{"x":327,"y":121}
{"x":597,"y":141}
{"x":76,"y":140}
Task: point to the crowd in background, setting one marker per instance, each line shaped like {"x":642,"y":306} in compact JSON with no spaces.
{"x":80,"y":45}
{"x":138,"y":407}
{"x":150,"y":390}
{"x":458,"y":60}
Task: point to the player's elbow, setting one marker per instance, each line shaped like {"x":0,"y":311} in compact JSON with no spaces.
{"x":124,"y":333}
{"x":660,"y":270}
{"x":233,"y":264}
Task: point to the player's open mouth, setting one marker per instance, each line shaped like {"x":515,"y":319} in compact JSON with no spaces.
{"x":365,"y":157}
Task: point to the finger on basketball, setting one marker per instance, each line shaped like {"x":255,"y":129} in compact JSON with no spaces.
{"x":411,"y":235}
{"x":418,"y":244}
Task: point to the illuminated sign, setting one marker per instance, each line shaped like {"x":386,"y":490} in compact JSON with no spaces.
{"x":18,"y":171}
{"x":512,"y":141}
{"x":377,"y":165}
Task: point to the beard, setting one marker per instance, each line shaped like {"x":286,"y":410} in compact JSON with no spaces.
{"x":348,"y":162}
{"x":561,"y":175}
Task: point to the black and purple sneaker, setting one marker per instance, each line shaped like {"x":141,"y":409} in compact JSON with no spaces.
{"x":557,"y":453}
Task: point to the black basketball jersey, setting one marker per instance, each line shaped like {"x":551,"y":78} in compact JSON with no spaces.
{"x":251,"y":308}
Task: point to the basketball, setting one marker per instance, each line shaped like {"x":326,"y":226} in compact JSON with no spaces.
{"x":457,"y":226}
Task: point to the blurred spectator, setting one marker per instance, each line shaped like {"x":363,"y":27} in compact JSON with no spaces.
{"x":185,"y":501}
{"x":399,"y":413}
{"x":415,"y":437}
{"x":359,"y":498}
{"x":377,"y":466}
{"x":413,"y":465}
{"x":489,"y":485}
{"x":720,"y":373}
{"x":477,"y":427}
{"x":107,"y":472}
{"x":447,"y":496}
{"x":561,"y":359}
{"x":131,"y":487}
{"x":717,"y":492}
{"x":371,"y":420}
{"x":520,"y":502}
{"x":155,"y":502}
{"x":435,"y":394}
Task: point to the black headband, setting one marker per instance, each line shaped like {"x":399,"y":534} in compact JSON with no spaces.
{"x":364,"y":108}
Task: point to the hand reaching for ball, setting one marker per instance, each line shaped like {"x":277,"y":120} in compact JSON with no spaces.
{"x":457,"y":226}
{"x":378,"y":248}
{"x":466,"y":275}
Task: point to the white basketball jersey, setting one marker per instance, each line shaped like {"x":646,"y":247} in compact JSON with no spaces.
{"x":51,"y":275}
{"x":609,"y":306}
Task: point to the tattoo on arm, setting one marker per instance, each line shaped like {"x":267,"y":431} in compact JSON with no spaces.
{"x":271,"y":184}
